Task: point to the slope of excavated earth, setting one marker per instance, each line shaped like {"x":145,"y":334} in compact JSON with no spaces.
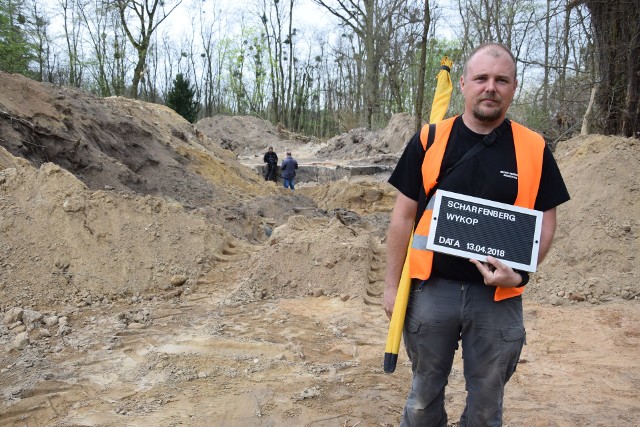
{"x":150,"y":276}
{"x":595,"y":252}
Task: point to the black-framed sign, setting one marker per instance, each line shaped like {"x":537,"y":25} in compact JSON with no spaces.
{"x":471,"y":227}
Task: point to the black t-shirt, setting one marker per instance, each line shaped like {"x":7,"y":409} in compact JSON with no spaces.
{"x":490,"y":174}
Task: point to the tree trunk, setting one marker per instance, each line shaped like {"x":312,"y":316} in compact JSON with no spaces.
{"x":617,"y":29}
{"x":423,"y":65}
{"x":370,"y":65}
{"x":146,"y":14}
{"x":588,"y":115}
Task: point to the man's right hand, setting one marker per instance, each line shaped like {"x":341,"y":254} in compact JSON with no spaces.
{"x":398,"y":236}
{"x":389,"y":299}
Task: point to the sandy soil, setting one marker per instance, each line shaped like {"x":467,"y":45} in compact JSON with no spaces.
{"x":149,"y":276}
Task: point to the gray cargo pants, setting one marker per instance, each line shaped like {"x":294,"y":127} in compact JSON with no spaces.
{"x":439,"y":313}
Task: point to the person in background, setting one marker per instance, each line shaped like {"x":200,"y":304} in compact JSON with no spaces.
{"x":271,"y":159}
{"x":451,"y":299}
{"x":289,"y":166}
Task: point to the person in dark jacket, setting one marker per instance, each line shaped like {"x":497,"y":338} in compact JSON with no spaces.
{"x":271,"y":159}
{"x":289,"y":166}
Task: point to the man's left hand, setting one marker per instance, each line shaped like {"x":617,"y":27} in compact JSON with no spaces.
{"x":496,"y":273}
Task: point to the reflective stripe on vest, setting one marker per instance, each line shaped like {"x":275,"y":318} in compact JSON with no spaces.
{"x":529,"y":148}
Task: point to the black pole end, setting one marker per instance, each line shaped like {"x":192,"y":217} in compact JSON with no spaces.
{"x":390,"y":361}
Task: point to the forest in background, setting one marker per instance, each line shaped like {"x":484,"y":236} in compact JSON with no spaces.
{"x":578,"y":60}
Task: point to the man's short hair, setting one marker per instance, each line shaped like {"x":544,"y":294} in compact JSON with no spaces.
{"x":490,"y":45}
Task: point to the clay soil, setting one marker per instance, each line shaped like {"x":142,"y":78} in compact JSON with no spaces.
{"x":149,"y":276}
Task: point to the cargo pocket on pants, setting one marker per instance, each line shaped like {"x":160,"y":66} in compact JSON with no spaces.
{"x":514,"y":339}
{"x":410,"y":335}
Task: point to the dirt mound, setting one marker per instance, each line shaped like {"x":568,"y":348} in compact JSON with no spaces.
{"x":249,"y":137}
{"x":364,"y":143}
{"x":314,"y":257}
{"x":65,"y":244}
{"x":595,"y":252}
{"x":118,"y":143}
{"x":360,"y":196}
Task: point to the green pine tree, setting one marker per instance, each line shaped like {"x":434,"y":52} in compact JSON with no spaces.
{"x":181,"y":99}
{"x":15,"y":51}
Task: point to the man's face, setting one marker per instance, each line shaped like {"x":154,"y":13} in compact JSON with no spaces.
{"x":489,"y":84}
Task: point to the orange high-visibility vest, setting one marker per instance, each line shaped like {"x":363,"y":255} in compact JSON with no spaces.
{"x":529,"y":148}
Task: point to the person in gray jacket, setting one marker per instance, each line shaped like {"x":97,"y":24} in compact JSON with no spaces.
{"x":289,"y":166}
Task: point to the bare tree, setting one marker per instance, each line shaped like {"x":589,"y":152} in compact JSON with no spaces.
{"x":148,"y":14}
{"x":277,"y":22}
{"x":38,"y":25}
{"x":368,"y":19}
{"x":399,"y":61}
{"x":73,"y":40}
{"x":96,"y":16}
{"x":271,"y":21}
{"x":118,"y":69}
{"x":207,"y":86}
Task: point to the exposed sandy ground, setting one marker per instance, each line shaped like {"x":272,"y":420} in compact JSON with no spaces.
{"x":149,"y":277}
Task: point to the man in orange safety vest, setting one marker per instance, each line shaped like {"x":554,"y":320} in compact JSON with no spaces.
{"x":453,"y":299}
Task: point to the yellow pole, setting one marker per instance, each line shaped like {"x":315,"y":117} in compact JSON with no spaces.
{"x":442,"y":95}
{"x":439,"y":108}
{"x":392,"y":348}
